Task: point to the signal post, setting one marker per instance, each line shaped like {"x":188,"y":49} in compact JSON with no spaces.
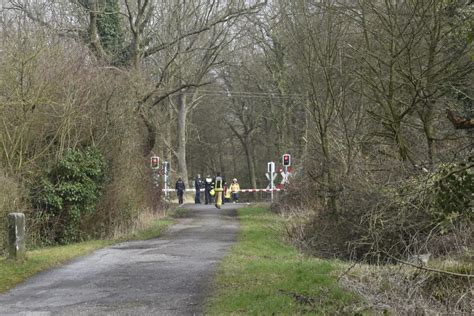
{"x":286,"y":161}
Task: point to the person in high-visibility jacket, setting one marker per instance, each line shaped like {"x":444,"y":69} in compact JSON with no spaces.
{"x":235,"y":189}
{"x":227,"y":194}
{"x":219,"y":189}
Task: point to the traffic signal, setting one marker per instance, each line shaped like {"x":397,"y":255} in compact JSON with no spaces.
{"x":286,"y":160}
{"x":155,"y":162}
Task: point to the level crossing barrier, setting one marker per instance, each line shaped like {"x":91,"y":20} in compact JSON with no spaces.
{"x":245,"y":195}
{"x":241,"y":191}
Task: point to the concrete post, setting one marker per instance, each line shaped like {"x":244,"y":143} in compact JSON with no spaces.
{"x":16,"y":235}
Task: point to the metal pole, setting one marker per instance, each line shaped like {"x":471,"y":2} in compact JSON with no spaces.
{"x":166,"y":179}
{"x":166,"y":186}
{"x":271,"y":183}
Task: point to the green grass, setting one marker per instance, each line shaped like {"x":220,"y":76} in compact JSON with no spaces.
{"x":263,"y":275}
{"x":13,"y":272}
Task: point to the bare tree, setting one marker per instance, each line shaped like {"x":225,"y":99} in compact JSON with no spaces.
{"x":244,"y":118}
{"x":409,"y":64}
{"x":318,"y":34}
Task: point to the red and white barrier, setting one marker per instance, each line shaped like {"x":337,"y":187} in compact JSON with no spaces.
{"x":260,"y":190}
{"x":174,"y":190}
{"x":241,"y":191}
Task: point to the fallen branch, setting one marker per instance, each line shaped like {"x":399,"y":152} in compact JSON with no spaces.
{"x":431,"y":269}
{"x":347,"y":271}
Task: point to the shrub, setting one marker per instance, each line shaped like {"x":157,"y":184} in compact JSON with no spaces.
{"x":452,"y":194}
{"x":428,"y":212}
{"x":66,"y":193}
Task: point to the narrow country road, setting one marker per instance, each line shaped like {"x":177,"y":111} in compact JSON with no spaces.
{"x":170,"y":275}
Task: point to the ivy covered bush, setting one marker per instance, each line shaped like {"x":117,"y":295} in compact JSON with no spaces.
{"x":452,"y":193}
{"x":66,"y":193}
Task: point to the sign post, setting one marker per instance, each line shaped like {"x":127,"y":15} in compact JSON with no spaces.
{"x":166,"y":166}
{"x":16,"y":235}
{"x":271,"y":172}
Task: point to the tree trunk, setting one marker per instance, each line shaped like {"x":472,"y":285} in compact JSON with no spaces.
{"x":182,"y":112}
{"x":331,"y":199}
{"x":151,"y":135}
{"x":221,"y":161}
{"x":169,"y":154}
{"x":234,"y":159}
{"x":250,"y":161}
{"x":429,"y":135}
{"x":135,"y":52}
{"x":427,"y":116}
{"x":93,"y":32}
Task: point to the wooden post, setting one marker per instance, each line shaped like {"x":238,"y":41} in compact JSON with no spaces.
{"x":16,"y":235}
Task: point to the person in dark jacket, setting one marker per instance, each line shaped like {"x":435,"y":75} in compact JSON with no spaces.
{"x":197,"y":187}
{"x":180,"y":187}
{"x":208,"y":186}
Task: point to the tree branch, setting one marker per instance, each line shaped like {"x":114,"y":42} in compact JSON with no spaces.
{"x":223,"y":19}
{"x":458,"y":121}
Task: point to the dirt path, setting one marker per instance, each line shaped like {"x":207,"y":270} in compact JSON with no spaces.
{"x":169,"y":275}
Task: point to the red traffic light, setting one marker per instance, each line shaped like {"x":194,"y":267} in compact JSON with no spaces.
{"x":286,"y":160}
{"x":155,"y":162}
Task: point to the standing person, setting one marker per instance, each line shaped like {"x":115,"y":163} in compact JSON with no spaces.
{"x":218,"y":188}
{"x":226,"y":193}
{"x":180,"y":187}
{"x":198,"y":186}
{"x":235,"y":189}
{"x":208,"y":186}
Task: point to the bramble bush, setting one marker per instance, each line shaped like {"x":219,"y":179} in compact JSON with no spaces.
{"x":66,"y":193}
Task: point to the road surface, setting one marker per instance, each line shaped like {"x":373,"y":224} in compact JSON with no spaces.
{"x":170,"y":275}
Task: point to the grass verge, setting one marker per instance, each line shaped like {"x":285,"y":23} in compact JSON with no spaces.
{"x":263,"y":275}
{"x":13,"y":272}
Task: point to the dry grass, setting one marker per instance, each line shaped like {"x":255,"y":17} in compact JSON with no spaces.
{"x":143,"y":221}
{"x":406,"y":290}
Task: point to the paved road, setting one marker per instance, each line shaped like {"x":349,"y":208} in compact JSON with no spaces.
{"x":170,"y":275}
